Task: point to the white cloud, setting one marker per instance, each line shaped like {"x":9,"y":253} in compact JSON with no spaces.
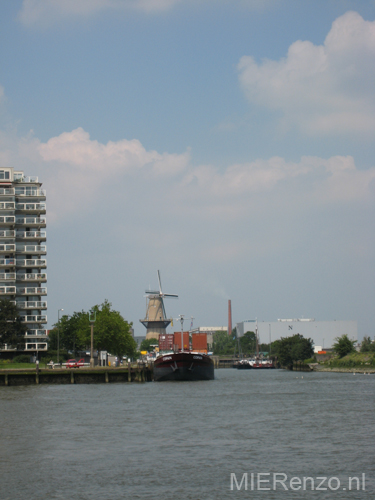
{"x":322,"y":89}
{"x":47,"y":12}
{"x":77,"y":169}
{"x":332,"y":180}
{"x":77,"y":149}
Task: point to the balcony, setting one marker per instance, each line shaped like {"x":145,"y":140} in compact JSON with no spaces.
{"x":30,"y":235}
{"x":43,"y":346}
{"x":36,"y":333}
{"x":30,"y":249}
{"x":7,"y":290}
{"x":8,"y":262}
{"x":29,"y":277}
{"x":31,"y":305}
{"x":34,"y":179}
{"x":7,"y":248}
{"x":31,"y":192}
{"x":6,"y":191}
{"x":7,"y":276}
{"x":35,"y":318}
{"x":31,"y":291}
{"x":30,"y":221}
{"x":7,"y":220}
{"x":30,"y":208}
{"x":7,"y":205}
{"x":7,"y":233}
{"x":40,"y":263}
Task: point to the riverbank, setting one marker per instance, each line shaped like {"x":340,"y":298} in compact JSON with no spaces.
{"x":316,"y":367}
{"x":356,"y":362}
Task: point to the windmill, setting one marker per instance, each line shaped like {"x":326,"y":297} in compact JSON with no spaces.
{"x":156,"y":319}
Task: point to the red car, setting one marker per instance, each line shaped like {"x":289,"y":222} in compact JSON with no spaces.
{"x":73,"y":363}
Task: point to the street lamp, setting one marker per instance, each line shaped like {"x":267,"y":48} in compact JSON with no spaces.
{"x":58,"y":333}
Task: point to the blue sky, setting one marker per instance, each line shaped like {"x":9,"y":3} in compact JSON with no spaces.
{"x":229,"y":144}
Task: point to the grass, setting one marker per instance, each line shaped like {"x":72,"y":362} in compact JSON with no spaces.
{"x":353,"y":360}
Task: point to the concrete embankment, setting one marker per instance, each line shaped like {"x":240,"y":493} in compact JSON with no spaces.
{"x":76,"y":376}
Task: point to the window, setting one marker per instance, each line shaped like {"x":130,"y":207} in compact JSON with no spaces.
{"x":4,"y":174}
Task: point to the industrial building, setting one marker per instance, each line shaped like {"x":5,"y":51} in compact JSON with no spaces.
{"x":323,"y":333}
{"x":209,"y":331}
{"x":23,"y":252}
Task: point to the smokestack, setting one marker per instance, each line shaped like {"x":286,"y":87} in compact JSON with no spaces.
{"x":229,"y":317}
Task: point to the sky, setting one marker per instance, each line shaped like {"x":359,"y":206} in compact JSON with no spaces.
{"x":228,"y":143}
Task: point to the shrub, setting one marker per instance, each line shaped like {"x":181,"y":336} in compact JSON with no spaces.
{"x":22,"y":358}
{"x":310,"y":360}
{"x":343,"y":345}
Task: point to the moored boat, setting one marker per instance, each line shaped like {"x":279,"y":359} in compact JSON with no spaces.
{"x":262,"y":364}
{"x":258,"y":362}
{"x":186,"y":365}
{"x":182,"y":364}
{"x":244,"y":364}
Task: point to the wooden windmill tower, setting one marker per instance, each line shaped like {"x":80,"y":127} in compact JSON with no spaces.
{"x":156,"y":320}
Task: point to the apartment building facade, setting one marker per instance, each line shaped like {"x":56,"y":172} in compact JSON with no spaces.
{"x":23,"y":252}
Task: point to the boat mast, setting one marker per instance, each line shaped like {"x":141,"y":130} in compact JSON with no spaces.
{"x":256,"y":338}
{"x":182,"y":332}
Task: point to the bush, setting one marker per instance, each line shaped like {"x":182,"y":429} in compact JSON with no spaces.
{"x":310,"y":360}
{"x":367,"y":345}
{"x":343,"y":345}
{"x":22,"y":358}
{"x":354,"y":360}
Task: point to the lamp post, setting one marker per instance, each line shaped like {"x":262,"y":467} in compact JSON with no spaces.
{"x":58,"y":333}
{"x":92,"y":318}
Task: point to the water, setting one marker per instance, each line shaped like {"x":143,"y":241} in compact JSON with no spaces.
{"x":183,"y":440}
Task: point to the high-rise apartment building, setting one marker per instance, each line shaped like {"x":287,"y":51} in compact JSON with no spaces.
{"x":23,"y":252}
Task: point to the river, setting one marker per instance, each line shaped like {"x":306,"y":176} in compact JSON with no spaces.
{"x":191,"y":440}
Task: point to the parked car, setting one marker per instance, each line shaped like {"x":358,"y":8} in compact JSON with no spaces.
{"x":73,"y":363}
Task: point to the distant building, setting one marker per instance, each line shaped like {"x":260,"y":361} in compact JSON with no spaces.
{"x":139,"y":339}
{"x":23,"y":252}
{"x":323,"y":333}
{"x":210,"y":330}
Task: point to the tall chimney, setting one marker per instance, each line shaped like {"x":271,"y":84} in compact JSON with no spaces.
{"x":229,"y":317}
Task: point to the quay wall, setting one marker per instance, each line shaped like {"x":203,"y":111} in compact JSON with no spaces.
{"x":75,"y":376}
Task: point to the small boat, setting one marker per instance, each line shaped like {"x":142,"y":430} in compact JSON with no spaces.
{"x":257,"y":363}
{"x":263,"y":363}
{"x":183,"y":365}
{"x":243,"y":364}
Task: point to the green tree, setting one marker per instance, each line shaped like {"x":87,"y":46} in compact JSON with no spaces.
{"x":111,"y":332}
{"x":367,"y":345}
{"x":52,"y":339}
{"x":295,"y":348}
{"x":149,"y":344}
{"x":12,"y":330}
{"x":343,"y":345}
{"x":223,"y":344}
{"x":70,"y":333}
{"x":248,"y":343}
